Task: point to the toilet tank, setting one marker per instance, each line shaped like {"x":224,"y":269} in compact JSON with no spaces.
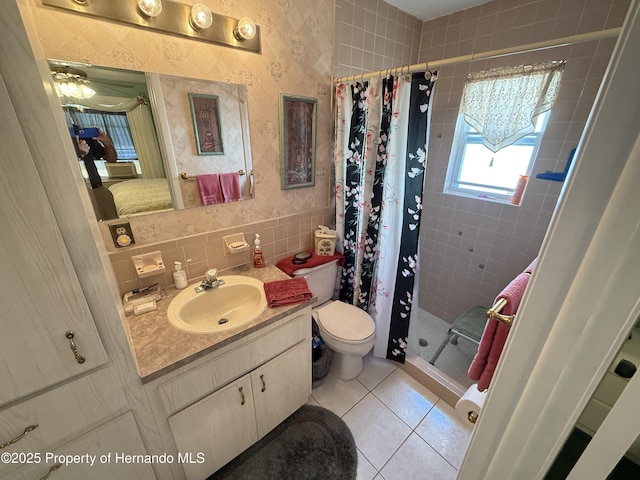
{"x":321,"y":279}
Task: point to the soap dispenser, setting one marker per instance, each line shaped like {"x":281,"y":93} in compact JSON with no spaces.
{"x":179,"y":276}
{"x":258,"y":259}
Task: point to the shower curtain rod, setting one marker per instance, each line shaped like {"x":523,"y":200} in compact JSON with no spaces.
{"x":529,"y":47}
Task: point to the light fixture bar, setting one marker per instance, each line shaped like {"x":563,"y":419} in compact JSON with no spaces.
{"x":174,"y":19}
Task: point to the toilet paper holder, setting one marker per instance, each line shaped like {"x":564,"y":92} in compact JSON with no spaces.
{"x":470,"y":404}
{"x":472,"y":416}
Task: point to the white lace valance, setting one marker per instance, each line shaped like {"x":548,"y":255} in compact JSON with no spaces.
{"x":501,"y":104}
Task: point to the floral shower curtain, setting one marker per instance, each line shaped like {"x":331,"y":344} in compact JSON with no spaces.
{"x":380,"y":159}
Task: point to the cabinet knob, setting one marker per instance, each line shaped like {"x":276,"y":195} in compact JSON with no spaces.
{"x":30,"y":428}
{"x":79,"y":358}
{"x":241,"y":396}
{"x":264,"y":385}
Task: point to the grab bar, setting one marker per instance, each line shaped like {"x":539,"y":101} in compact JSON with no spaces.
{"x":186,"y":176}
{"x":494,"y":313}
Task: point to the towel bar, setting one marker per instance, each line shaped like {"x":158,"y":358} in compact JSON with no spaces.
{"x":494,"y":313}
{"x":186,"y":176}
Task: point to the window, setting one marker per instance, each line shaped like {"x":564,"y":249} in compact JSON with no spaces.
{"x":114,"y":124}
{"x":503,"y":114}
{"x":477,"y":171}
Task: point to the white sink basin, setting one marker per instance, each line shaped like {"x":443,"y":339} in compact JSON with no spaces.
{"x":239,"y":301}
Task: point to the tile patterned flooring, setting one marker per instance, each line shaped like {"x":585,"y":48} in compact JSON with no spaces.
{"x":402,"y":430}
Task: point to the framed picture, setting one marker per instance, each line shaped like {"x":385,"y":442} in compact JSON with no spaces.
{"x":297,"y":141}
{"x":206,"y":124}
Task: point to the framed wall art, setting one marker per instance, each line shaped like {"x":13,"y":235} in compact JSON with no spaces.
{"x":297,"y":141}
{"x":205,"y":112}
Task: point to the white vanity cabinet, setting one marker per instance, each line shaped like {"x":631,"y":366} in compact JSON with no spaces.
{"x":275,"y":382}
{"x":110,"y":451}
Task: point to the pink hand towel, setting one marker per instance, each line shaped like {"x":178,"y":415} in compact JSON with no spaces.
{"x":532,"y":266}
{"x":287,"y":292}
{"x":209,"y":189}
{"x":495,"y":334}
{"x":230,"y":183}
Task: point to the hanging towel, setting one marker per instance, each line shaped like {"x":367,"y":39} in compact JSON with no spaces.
{"x":532,"y":266}
{"x":209,"y":189}
{"x":287,"y":292}
{"x":495,"y":334}
{"x":230,"y":183}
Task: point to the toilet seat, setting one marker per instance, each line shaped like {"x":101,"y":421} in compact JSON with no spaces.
{"x":346,"y":323}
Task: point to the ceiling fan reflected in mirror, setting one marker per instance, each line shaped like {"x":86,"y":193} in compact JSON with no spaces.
{"x":71,"y":82}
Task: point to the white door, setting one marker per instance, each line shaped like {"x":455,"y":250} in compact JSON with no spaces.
{"x":221,"y":426}
{"x":281,"y":386}
{"x":582,"y":299}
{"x":40,"y":294}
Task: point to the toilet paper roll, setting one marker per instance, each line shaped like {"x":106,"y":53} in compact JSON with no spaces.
{"x":470,"y":404}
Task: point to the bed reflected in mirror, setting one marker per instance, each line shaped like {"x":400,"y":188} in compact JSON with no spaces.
{"x":149,"y":119}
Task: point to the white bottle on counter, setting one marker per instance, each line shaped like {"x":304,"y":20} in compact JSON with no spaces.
{"x":179,"y":276}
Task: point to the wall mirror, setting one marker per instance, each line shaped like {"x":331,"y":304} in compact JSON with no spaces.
{"x":158,"y":137}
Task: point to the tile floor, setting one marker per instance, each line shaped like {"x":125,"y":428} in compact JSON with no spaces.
{"x":401,"y":429}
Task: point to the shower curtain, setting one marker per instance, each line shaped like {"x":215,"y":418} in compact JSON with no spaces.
{"x":380,"y":160}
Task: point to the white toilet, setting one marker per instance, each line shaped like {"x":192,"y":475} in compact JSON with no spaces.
{"x":346,"y":329}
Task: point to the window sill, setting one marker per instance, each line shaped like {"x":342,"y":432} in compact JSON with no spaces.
{"x":481,"y":196}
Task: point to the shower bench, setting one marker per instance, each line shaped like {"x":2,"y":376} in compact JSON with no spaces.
{"x":469,"y":325}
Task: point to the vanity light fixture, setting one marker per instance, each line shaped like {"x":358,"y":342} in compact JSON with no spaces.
{"x":245,"y":29}
{"x":200,"y":17}
{"x":151,"y":8}
{"x":177,"y":18}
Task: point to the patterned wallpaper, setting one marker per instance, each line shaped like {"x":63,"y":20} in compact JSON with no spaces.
{"x":175,"y":97}
{"x":295,"y":59}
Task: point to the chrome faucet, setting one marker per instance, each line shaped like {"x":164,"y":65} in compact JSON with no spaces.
{"x":210,"y":281}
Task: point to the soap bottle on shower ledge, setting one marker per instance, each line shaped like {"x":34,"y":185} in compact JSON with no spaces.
{"x":258,"y":258}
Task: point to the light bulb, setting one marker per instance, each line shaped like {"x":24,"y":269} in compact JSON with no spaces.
{"x":200,"y":17}
{"x":87,"y":91}
{"x":245,"y":30}
{"x":151,"y":8}
{"x":73,"y":90}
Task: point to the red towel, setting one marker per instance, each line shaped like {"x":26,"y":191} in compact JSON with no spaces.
{"x":230,"y":183}
{"x":287,"y":292}
{"x":209,"y":189}
{"x":288,"y":267}
{"x":495,"y":334}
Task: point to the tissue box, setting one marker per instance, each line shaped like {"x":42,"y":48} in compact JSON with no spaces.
{"x":325,"y":242}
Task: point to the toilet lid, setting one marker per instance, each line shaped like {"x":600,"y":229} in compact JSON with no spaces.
{"x":346,"y":321}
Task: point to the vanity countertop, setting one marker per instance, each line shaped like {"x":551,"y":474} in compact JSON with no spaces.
{"x":160,"y":348}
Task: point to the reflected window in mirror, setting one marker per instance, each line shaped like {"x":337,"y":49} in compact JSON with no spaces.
{"x":115,"y":125}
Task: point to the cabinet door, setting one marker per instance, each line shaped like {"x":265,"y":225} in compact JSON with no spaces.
{"x":98,"y":455}
{"x":40,"y":294}
{"x":281,"y":386}
{"x":220,"y":426}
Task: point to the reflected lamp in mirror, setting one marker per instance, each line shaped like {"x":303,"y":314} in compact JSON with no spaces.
{"x":71,"y":82}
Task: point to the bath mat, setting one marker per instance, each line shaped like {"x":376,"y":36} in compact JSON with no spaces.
{"x":313,"y":443}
